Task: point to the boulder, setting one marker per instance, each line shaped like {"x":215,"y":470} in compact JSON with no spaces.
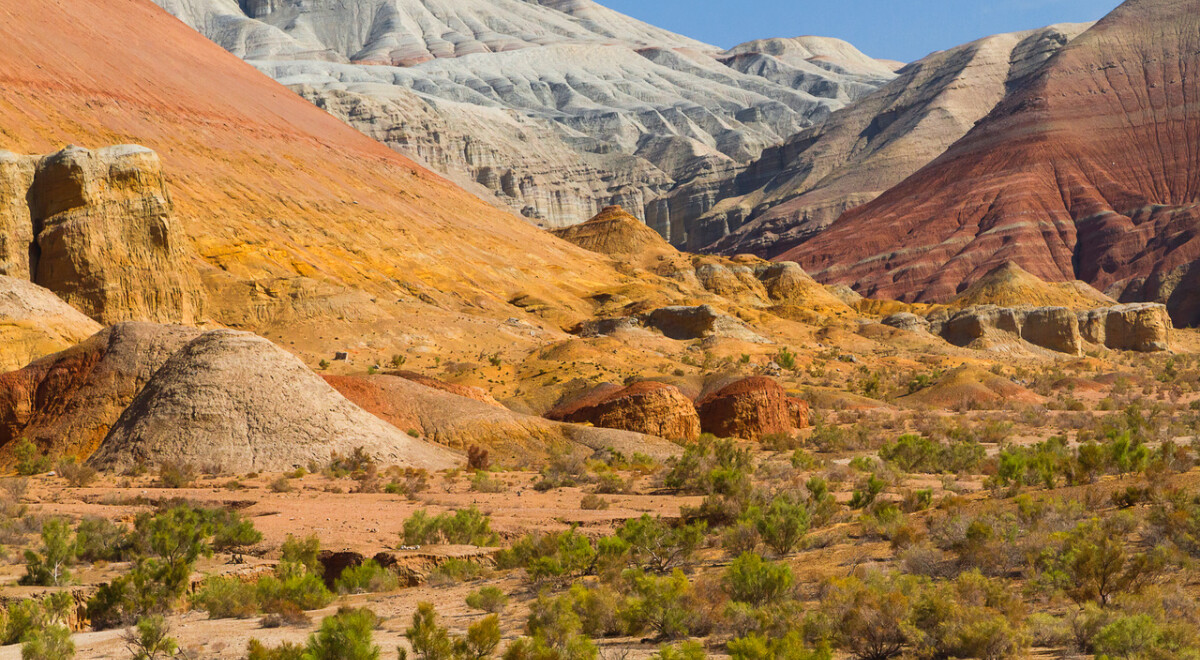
{"x":749,"y":408}
{"x":66,"y":402}
{"x":1141,"y":327}
{"x":236,"y":401}
{"x":106,"y":239}
{"x":35,"y":322}
{"x":685,"y":323}
{"x":646,"y":407}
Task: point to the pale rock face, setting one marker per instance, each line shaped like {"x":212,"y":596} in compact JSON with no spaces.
{"x":555,"y":108}
{"x":16,"y":230}
{"x":795,"y":190}
{"x":236,"y":400}
{"x":1143,"y":327}
{"x":35,"y":322}
{"x":98,"y":229}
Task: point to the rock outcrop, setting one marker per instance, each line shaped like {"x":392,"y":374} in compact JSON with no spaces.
{"x":35,"y":322}
{"x":645,"y":407}
{"x":1009,"y":285}
{"x":459,"y":422}
{"x":555,"y":109}
{"x":615,"y":232}
{"x":476,"y":393}
{"x":685,"y":323}
{"x":1085,"y":171}
{"x":795,"y":190}
{"x":1144,"y":327}
{"x":16,"y":229}
{"x":66,"y":403}
{"x":238,"y":402}
{"x":971,"y":388}
{"x":749,"y":409}
{"x":1141,"y":327}
{"x":105,"y":238}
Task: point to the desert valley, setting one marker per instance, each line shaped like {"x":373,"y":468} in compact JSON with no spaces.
{"x":527,"y":330}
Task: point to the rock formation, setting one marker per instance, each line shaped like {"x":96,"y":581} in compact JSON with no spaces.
{"x":1009,"y":285}
{"x":297,"y":218}
{"x":1085,"y":171}
{"x":795,"y":190}
{"x":1143,"y":327}
{"x":459,"y":422}
{"x":238,"y":402}
{"x":34,"y":322}
{"x":685,"y":323}
{"x":476,"y":393}
{"x":749,"y":409}
{"x":555,"y":109}
{"x":645,"y":407}
{"x":105,"y":239}
{"x":16,"y":229}
{"x":65,"y":403}
{"x":615,"y":232}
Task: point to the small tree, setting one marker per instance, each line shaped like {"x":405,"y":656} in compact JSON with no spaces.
{"x":29,"y":461}
{"x":659,"y":546}
{"x":783,"y":525}
{"x":150,"y":639}
{"x":59,"y":548}
{"x":1094,"y":564}
{"x":429,"y":640}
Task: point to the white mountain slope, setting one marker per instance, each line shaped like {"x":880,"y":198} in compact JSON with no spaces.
{"x":554,"y":107}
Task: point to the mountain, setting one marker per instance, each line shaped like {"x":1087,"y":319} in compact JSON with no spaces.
{"x":1089,"y":171}
{"x":299,"y":226}
{"x":795,"y":190}
{"x":553,"y":108}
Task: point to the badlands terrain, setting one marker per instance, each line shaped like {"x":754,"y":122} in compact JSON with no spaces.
{"x":462,"y":330}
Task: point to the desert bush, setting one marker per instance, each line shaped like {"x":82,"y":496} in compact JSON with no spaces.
{"x":663,"y":604}
{"x":358,"y":462}
{"x":232,"y":532}
{"x":100,"y":539}
{"x":711,"y":466}
{"x":78,"y":475}
{"x":484,"y":482}
{"x":227,"y":598}
{"x":407,"y":482}
{"x":750,"y":579}
{"x":867,"y":619}
{"x":347,"y":635}
{"x":477,"y":458}
{"x":256,"y":650}
{"x":783,"y":524}
{"x":464,"y":526}
{"x":870,"y":489}
{"x":788,"y":647}
{"x":689,"y":650}
{"x":176,"y":475}
{"x":304,"y":552}
{"x":456,"y":570}
{"x":368,"y":577}
{"x":49,"y":643}
{"x":28,"y":460}
{"x":916,"y":453}
{"x":489,"y":599}
{"x":611,"y":483}
{"x":659,"y":546}
{"x":291,"y":589}
{"x":150,"y":639}
{"x":1093,"y":563}
{"x":282,"y":484}
{"x":593,"y":502}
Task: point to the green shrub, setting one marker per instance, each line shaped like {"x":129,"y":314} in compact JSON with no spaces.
{"x":150,"y":639}
{"x":488,"y":599}
{"x":659,"y":546}
{"x":282,"y":594}
{"x":304,"y":552}
{"x":59,"y":549}
{"x":28,"y":461}
{"x":227,"y":598}
{"x":48,"y":643}
{"x":232,"y":532}
{"x":431,"y":641}
{"x":750,"y":579}
{"x":689,"y":650}
{"x":864,"y":496}
{"x":256,"y":650}
{"x":484,"y":482}
{"x":783,"y":524}
{"x":662,"y":604}
{"x":711,"y":466}
{"x":916,"y":453}
{"x":592,"y":502}
{"x":347,"y":635}
{"x":788,"y":647}
{"x":464,"y":526}
{"x":78,"y":475}
{"x":99,"y":539}
{"x":1093,"y":563}
{"x":176,"y":475}
{"x":368,"y":577}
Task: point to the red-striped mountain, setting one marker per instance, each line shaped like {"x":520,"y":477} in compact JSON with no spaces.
{"x":1090,"y":171}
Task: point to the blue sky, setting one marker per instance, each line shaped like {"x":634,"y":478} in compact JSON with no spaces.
{"x":892,"y":29}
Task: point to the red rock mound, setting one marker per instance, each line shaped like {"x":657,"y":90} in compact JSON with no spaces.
{"x":647,"y":407}
{"x":460,"y":422}
{"x":1088,"y":171}
{"x":751,"y":408}
{"x":469,"y":392}
{"x":66,"y":403}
